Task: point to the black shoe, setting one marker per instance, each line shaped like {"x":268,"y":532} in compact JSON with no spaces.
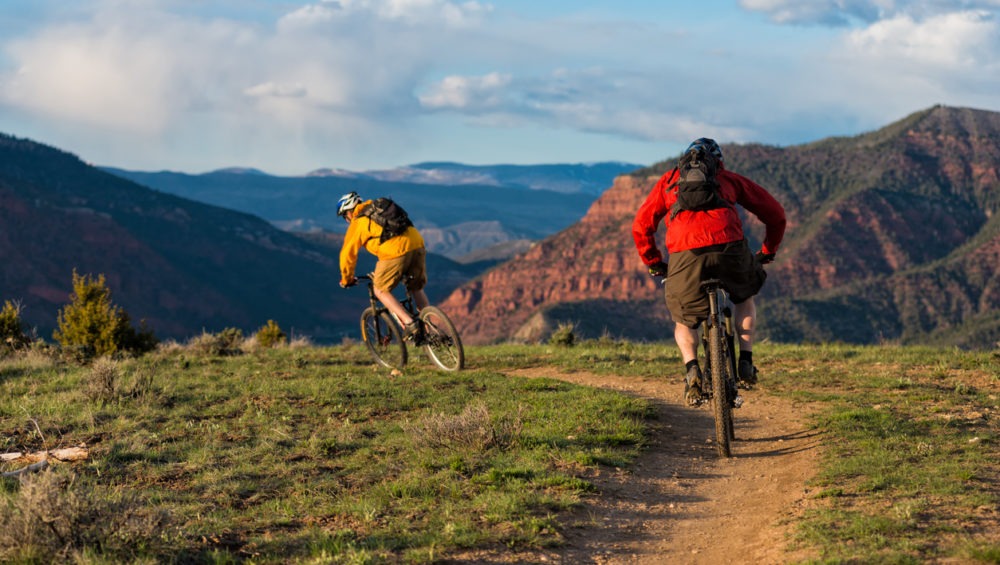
{"x":692,"y":386}
{"x":747,"y":374}
{"x":413,"y":331}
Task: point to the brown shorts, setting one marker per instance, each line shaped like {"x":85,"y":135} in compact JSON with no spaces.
{"x":732,"y":263}
{"x":411,"y":267}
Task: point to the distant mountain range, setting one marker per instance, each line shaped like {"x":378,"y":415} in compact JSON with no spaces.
{"x":183,"y":266}
{"x":462,"y":210}
{"x":893,"y":236}
{"x":588,"y":178}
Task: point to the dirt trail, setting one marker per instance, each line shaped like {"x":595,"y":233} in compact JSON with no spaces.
{"x":668,"y":507}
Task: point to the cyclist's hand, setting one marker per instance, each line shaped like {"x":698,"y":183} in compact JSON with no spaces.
{"x":764,"y":258}
{"x":658,"y":269}
{"x":346,"y":283}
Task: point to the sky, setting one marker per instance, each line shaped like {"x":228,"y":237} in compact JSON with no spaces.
{"x":290,"y":86}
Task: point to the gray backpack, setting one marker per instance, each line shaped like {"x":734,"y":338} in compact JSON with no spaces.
{"x":391,"y":216}
{"x":697,"y":186}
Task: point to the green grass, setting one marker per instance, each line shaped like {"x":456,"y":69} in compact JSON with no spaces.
{"x":911,"y":460}
{"x":313,"y":455}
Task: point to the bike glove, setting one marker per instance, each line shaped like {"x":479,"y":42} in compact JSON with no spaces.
{"x":658,"y":269}
{"x":764,"y":258}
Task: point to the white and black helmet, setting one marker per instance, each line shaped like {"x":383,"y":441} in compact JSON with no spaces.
{"x":347,"y":203}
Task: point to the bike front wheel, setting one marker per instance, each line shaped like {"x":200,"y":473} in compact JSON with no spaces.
{"x":383,"y":338}
{"x":441,"y":340}
{"x":720,"y":397}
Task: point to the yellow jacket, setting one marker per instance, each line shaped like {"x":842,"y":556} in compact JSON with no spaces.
{"x":362,"y":231}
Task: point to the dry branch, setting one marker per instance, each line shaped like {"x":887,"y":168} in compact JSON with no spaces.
{"x":29,"y":469}
{"x":65,"y":454}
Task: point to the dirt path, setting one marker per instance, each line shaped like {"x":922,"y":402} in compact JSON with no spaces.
{"x":680,"y":494}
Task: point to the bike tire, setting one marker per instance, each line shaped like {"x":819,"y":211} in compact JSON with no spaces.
{"x":720,"y":399}
{"x":442,"y":343}
{"x":730,"y":355}
{"x":384,"y":339}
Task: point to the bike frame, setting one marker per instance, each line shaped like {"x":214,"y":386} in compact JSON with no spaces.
{"x":382,"y":332}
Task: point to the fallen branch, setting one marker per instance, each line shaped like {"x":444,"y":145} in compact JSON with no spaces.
{"x":65,"y":454}
{"x":29,"y":469}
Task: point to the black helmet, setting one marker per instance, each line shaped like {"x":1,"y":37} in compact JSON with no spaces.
{"x":707,"y":144}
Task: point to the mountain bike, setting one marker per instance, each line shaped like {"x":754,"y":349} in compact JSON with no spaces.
{"x":383,"y":334}
{"x":718,"y":341}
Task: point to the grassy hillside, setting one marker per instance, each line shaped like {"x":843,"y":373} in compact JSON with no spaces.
{"x":309,"y":454}
{"x":180,"y":265}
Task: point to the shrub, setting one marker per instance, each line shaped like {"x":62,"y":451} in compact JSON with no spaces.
{"x":565,"y":335}
{"x":225,"y":343}
{"x":474,"y":430}
{"x":91,"y":325}
{"x":108,"y":381}
{"x":12,"y":334}
{"x":103,"y":380}
{"x":270,"y":335}
{"x":55,"y":517}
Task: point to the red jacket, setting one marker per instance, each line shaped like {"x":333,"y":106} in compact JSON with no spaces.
{"x":690,"y":230}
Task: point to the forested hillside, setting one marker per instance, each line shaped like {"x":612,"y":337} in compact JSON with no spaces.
{"x":892,"y":235}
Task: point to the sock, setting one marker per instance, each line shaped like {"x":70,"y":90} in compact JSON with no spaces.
{"x":689,"y":364}
{"x":748,"y":355}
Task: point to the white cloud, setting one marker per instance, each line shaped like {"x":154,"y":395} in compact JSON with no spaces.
{"x":412,"y":12}
{"x":828,"y":12}
{"x":359,"y":77}
{"x":948,"y":41}
{"x":136,"y":67}
{"x":465,"y":93}
{"x":590,"y":100}
{"x":846,"y":12}
{"x":271,"y":89}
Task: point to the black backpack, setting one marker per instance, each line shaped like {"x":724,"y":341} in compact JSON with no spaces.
{"x":391,"y":216}
{"x":697,"y":186}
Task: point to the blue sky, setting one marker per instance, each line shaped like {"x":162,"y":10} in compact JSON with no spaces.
{"x":289,"y":86}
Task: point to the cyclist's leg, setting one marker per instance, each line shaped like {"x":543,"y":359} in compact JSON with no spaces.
{"x":688,"y":306}
{"x":745,"y":316}
{"x":744,"y":277}
{"x":687,"y":341}
{"x":388,"y":273}
{"x":416,"y":271}
{"x":685,"y":300}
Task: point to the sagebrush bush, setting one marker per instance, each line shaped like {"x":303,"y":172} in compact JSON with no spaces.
{"x":270,"y":335}
{"x":564,"y":335}
{"x":473,"y":430}
{"x":103,"y":380}
{"x":227,"y":342}
{"x":91,"y":325}
{"x":111,"y":381}
{"x":56,"y":518}
{"x":12,"y":334}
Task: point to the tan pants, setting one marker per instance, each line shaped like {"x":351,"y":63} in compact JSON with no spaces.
{"x":412,"y":265}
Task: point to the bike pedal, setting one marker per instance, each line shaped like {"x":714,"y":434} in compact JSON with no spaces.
{"x":738,"y":401}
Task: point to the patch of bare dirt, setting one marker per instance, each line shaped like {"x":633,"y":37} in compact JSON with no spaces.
{"x":681,"y":503}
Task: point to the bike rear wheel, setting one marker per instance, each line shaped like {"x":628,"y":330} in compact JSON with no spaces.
{"x":383,"y":338}
{"x":720,"y":398}
{"x":441,"y":340}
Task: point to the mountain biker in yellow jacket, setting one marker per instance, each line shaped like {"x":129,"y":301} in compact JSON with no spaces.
{"x":399,"y":258}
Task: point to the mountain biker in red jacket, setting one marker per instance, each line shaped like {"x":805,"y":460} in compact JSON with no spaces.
{"x":708,"y":244}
